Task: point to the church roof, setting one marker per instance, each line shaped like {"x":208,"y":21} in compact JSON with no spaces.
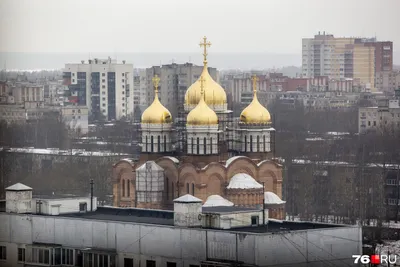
{"x":243,"y":181}
{"x":272,"y":198}
{"x":150,"y":164}
{"x":18,"y":187}
{"x":217,"y":201}
{"x":230,"y":160}
{"x":188,"y":199}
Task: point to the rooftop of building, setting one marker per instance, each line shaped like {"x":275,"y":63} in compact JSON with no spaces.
{"x":166,"y":218}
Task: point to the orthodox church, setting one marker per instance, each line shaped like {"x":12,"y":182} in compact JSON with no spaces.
{"x":214,"y":157}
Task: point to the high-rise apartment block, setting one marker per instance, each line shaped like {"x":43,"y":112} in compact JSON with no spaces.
{"x":346,"y":57}
{"x":104,"y":86}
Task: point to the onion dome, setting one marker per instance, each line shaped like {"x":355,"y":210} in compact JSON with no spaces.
{"x":156,"y":113}
{"x":255,"y":113}
{"x":214,"y":94}
{"x":202,"y":114}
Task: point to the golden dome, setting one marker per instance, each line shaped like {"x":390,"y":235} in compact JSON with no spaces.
{"x":156,"y":113}
{"x":202,"y":114}
{"x":255,"y":113}
{"x":214,"y":94}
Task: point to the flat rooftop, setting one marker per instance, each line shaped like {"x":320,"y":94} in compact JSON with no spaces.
{"x":228,"y":209}
{"x":164,"y":217}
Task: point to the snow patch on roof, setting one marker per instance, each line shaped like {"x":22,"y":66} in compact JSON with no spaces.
{"x":175,"y":160}
{"x":217,"y":201}
{"x":129,"y":160}
{"x":188,"y":198}
{"x":18,"y":187}
{"x":230,"y":160}
{"x":243,"y":181}
{"x":272,"y":198}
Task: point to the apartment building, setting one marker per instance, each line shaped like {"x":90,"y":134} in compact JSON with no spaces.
{"x":103,"y":86}
{"x":385,"y":115}
{"x":387,"y":81}
{"x":346,"y":57}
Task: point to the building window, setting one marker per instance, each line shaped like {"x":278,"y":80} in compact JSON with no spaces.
{"x":3,"y":252}
{"x":147,"y":147}
{"x":193,"y":189}
{"x":67,"y":256}
{"x":165,"y":143}
{"x":152,"y":143}
{"x":171,"y":264}
{"x":21,"y":254}
{"x":123,"y":188}
{"x":150,"y":263}
{"x":158,"y":143}
{"x":264,"y":143}
{"x":172,"y":190}
{"x":167,"y":187}
{"x":128,"y":262}
{"x":128,"y":188}
{"x":123,"y":74}
{"x":245,"y":143}
{"x":83,"y":206}
{"x":187,"y":188}
{"x":211,"y":147}
{"x":123,"y":80}
{"x":192,"y":145}
{"x":251,"y":143}
{"x":205,"y":146}
{"x":198,"y":145}
{"x":254,"y":220}
{"x":258,"y":143}
{"x":103,"y":74}
{"x":41,"y":255}
{"x":103,"y":87}
{"x":103,"y":80}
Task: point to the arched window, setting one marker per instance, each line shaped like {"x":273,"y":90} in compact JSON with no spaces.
{"x":205,"y":146}
{"x":167,"y":187}
{"x":258,"y":143}
{"x":158,"y":144}
{"x":193,"y":189}
{"x":165,"y":143}
{"x":264,"y":143}
{"x":245,"y":143}
{"x":128,"y":187}
{"x":152,"y":144}
{"x":251,"y":143}
{"x":192,"y":145}
{"x":211,"y":146}
{"x":123,"y":188}
{"x":172,"y":190}
{"x":198,"y":145}
{"x":147,"y":143}
{"x":187,"y":188}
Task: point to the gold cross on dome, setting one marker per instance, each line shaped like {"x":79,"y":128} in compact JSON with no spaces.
{"x":156,"y":82}
{"x":255,"y":79}
{"x":204,"y":44}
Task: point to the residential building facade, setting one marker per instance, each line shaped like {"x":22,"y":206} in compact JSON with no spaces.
{"x":384,"y":116}
{"x":103,"y":86}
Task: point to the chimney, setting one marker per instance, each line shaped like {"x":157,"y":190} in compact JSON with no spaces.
{"x":187,"y":211}
{"x":19,"y":199}
{"x":83,"y":61}
{"x":123,"y":61}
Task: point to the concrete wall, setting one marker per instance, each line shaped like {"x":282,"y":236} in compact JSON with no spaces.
{"x":181,"y":245}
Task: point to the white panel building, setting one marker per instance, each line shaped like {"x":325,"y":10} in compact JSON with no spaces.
{"x":103,"y":85}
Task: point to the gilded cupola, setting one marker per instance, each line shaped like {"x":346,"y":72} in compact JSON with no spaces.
{"x":202,"y":114}
{"x":214,"y":94}
{"x":156,"y":113}
{"x":255,"y":113}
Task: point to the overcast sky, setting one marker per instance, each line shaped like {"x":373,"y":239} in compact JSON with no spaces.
{"x":178,"y":25}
